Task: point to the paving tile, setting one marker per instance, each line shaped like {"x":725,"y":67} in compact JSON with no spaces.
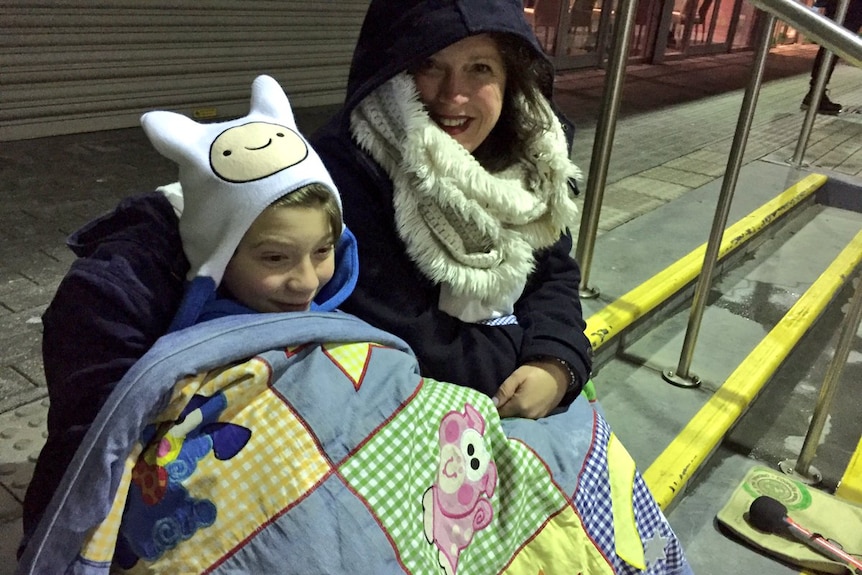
{"x":12,"y":281}
{"x":60,"y":253}
{"x":10,"y":508}
{"x":13,"y":383}
{"x":15,"y":324}
{"x":10,"y":535}
{"x":26,"y":396}
{"x":28,"y":363}
{"x":14,"y":256}
{"x":852,"y":165}
{"x":698,"y":166}
{"x":23,"y":431}
{"x":623,"y":206}
{"x":659,"y":189}
{"x":34,"y":296}
{"x":679,"y":177}
{"x":16,"y":346}
{"x":42,"y":269}
{"x":611,"y":218}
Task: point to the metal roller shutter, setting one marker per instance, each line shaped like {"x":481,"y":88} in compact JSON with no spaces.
{"x":71,"y":66}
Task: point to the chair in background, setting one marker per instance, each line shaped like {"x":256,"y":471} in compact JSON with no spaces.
{"x":546,"y":19}
{"x":698,"y":18}
{"x":582,"y":15}
{"x":642,"y":20}
{"x":582,"y":20}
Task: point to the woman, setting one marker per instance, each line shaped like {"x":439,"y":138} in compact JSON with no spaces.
{"x":120,"y":296}
{"x":454,"y":171}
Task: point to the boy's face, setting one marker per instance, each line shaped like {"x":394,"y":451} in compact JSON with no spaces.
{"x":283,"y":260}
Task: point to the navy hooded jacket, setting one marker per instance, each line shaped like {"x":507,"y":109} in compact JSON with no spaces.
{"x":116,"y":300}
{"x":391,"y":292}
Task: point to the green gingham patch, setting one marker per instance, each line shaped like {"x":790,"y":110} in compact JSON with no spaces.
{"x":399,"y":464}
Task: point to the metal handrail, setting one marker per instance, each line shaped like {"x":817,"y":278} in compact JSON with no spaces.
{"x":802,"y":468}
{"x":603,"y":144}
{"x":681,"y":377}
{"x":827,"y":33}
{"x":823,"y":30}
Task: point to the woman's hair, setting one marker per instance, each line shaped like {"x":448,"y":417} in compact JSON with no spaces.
{"x":314,"y":195}
{"x":507,"y":142}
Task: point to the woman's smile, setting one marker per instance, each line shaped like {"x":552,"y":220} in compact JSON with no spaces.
{"x":452,"y":125}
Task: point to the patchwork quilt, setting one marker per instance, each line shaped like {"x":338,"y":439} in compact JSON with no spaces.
{"x":310,"y":443}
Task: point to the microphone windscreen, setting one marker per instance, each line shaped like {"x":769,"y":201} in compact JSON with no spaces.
{"x":768,"y":514}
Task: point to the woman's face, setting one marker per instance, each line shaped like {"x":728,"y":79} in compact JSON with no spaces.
{"x":462,"y":87}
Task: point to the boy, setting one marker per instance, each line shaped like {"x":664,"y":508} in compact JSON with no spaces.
{"x":261,"y":219}
{"x":261,"y":228}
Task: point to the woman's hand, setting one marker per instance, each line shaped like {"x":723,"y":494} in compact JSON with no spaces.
{"x":533,"y":390}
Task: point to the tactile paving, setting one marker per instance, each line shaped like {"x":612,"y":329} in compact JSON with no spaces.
{"x":22,"y":435}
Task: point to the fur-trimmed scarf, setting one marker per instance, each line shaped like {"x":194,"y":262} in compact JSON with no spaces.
{"x":469,"y":230}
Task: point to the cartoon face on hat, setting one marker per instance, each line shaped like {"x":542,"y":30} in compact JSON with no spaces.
{"x":231,"y":171}
{"x":255,"y":150}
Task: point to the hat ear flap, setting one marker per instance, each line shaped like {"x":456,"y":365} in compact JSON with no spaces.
{"x":175,"y":136}
{"x":268,"y":99}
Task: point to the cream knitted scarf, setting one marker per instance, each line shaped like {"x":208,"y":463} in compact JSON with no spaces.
{"x":470,"y":230}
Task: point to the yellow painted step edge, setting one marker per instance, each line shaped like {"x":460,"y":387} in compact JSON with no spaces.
{"x":618,"y":315}
{"x":850,"y":486}
{"x":669,"y":473}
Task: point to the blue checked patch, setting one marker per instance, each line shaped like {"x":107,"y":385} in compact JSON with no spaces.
{"x":663,"y":552}
{"x":502,"y":320}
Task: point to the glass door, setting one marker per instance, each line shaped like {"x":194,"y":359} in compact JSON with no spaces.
{"x":570,"y":31}
{"x":578,"y":33}
{"x":702,"y":26}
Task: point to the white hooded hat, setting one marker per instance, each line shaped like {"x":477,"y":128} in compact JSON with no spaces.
{"x":231,"y":171}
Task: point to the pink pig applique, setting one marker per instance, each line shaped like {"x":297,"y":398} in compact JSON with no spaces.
{"x":458,"y":504}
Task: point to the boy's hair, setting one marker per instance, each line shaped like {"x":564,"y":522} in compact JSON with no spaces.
{"x":522,"y":116}
{"x":314,"y":195}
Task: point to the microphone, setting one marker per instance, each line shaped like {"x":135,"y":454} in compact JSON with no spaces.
{"x":769,"y":515}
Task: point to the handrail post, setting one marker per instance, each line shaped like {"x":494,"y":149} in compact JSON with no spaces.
{"x":817,"y":93}
{"x":602,"y":145}
{"x":802,"y":468}
{"x":681,"y":377}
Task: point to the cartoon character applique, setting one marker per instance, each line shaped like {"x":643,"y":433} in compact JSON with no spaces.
{"x":160,"y":512}
{"x":459,"y":503}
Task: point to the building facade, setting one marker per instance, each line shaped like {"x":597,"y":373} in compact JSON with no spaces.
{"x":69,"y":66}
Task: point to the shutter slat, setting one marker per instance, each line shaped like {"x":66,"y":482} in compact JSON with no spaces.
{"x":75,"y":65}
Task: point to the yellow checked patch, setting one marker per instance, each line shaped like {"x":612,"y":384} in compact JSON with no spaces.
{"x":542,"y":553}
{"x":622,"y":475}
{"x":99,"y":545}
{"x":279,"y":465}
{"x":351,"y":358}
{"x":261,"y":477}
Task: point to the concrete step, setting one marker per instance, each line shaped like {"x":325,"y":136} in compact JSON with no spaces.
{"x":766,"y":339}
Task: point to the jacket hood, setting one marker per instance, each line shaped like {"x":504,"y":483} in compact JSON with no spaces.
{"x":397,"y":34}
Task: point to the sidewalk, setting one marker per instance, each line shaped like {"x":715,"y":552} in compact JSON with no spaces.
{"x":677,"y":122}
{"x":674,"y":133}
